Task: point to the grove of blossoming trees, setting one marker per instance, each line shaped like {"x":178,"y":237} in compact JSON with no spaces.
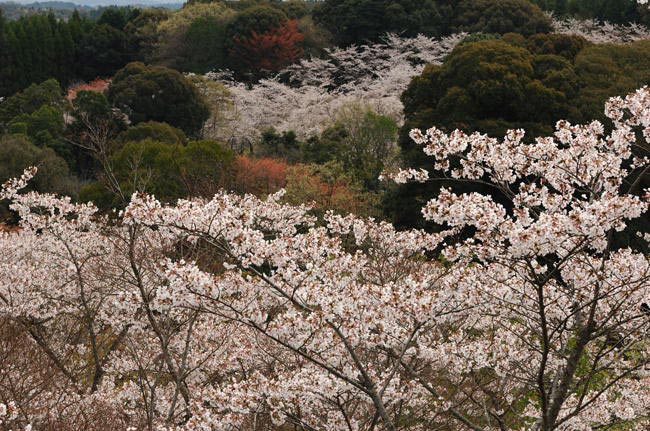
{"x":305,"y":97}
{"x":236,"y":313}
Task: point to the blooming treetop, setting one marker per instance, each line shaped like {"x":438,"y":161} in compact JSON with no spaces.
{"x":601,"y":32}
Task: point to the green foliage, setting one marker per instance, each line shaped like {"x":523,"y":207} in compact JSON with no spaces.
{"x":610,"y":70}
{"x":615,"y":11}
{"x":91,"y":104}
{"x":361,"y":140}
{"x":102,"y":51}
{"x":45,"y":128}
{"x":477,"y":37}
{"x":559,"y":7}
{"x":37,"y":113}
{"x":170,"y":171}
{"x":148,"y":166}
{"x":29,"y":100}
{"x":205,"y":42}
{"x":369,"y":145}
{"x":155,"y":93}
{"x":183,"y":18}
{"x":142,"y":32}
{"x":257,"y":19}
{"x":159,"y":132}
{"x":205,"y":167}
{"x":117,"y":17}
{"x":5,"y":58}
{"x":283,"y":145}
{"x":413,"y":17}
{"x":359,"y":21}
{"x":295,"y":9}
{"x":46,"y":120}
{"x":37,"y":47}
{"x":17,"y":153}
{"x":501,"y":16}
{"x":326,"y":147}
{"x":566,"y":46}
{"x":240,"y":5}
{"x":490,"y":86}
{"x":194,"y":38}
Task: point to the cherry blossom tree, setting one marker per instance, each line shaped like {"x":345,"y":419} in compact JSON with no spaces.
{"x":566,"y":310}
{"x":81,"y":294}
{"x":536,"y":321}
{"x":601,"y":32}
{"x":236,"y":313}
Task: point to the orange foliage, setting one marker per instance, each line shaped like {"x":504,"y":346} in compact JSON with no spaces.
{"x":272,"y":50}
{"x":326,"y":191}
{"x":97,"y":86}
{"x":259,"y":176}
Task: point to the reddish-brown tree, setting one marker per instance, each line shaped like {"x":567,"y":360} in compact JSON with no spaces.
{"x":271,"y":50}
{"x":259,"y":176}
{"x":327,"y":187}
{"x":98,"y":85}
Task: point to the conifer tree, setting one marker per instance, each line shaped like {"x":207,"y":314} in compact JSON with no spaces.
{"x":4,"y":55}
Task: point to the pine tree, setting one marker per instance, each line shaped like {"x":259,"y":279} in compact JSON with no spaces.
{"x":67,"y":54}
{"x":5,"y":59}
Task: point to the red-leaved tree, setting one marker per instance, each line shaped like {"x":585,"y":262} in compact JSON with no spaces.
{"x":271,"y":50}
{"x":97,"y":85}
{"x":259,"y":176}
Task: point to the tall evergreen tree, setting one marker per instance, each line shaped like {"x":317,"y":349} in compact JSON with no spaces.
{"x":5,"y":60}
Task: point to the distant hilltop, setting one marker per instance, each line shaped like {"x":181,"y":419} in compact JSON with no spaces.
{"x":12,"y":10}
{"x":81,"y":4}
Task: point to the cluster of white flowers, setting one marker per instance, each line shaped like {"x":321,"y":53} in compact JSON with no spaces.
{"x":306,"y":96}
{"x":601,"y":32}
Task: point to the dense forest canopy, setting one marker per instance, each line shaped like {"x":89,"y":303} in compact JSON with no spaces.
{"x":333,"y":215}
